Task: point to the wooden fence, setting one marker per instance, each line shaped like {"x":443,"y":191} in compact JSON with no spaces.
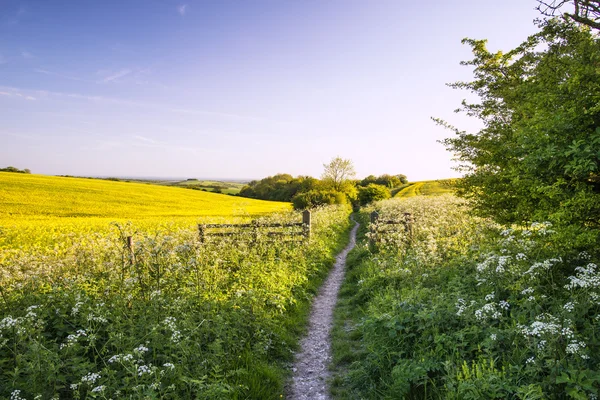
{"x":291,"y":232}
{"x":280,"y":232}
{"x":378,"y":228}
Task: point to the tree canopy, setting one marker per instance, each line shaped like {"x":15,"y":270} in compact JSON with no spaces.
{"x":338,"y":173}
{"x":585,"y":12}
{"x":538,"y":154}
{"x":14,"y":169}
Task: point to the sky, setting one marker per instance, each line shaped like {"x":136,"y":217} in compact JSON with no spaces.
{"x":231,"y":89}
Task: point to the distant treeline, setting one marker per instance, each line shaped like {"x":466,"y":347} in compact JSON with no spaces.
{"x":306,"y":191}
{"x":17,"y":170}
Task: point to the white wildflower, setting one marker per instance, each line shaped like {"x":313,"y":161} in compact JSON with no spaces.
{"x":140,"y":349}
{"x":143,"y":369}
{"x":98,"y":389}
{"x":528,"y":290}
{"x":90,"y":378}
{"x":16,"y":395}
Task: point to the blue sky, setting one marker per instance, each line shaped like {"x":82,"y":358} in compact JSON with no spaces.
{"x":239,"y":89}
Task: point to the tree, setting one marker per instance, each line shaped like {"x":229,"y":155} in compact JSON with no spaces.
{"x":337,"y":173}
{"x":372,"y":192}
{"x":314,"y":198}
{"x":537,"y":156}
{"x":17,"y":170}
{"x":585,"y":12}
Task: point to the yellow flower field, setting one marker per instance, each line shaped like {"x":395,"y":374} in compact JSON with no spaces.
{"x":40,"y":210}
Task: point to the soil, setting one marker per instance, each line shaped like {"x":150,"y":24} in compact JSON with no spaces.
{"x":310,"y":371}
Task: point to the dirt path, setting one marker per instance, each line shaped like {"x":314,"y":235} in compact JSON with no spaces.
{"x":310,"y":371}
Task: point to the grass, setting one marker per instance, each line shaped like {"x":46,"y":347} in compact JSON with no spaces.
{"x":179,"y":319}
{"x":41,"y":208}
{"x":204,"y":185}
{"x":426,"y":188}
{"x":462,"y":308}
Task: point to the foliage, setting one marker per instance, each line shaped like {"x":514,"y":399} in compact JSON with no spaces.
{"x":17,"y":170}
{"x":537,"y":156}
{"x":315,"y":198}
{"x":586,"y":12}
{"x":390,"y":181}
{"x":460,"y":308}
{"x":337,"y":174}
{"x":176,"y":319}
{"x":372,"y":192}
{"x":280,"y":187}
{"x":40,"y":210}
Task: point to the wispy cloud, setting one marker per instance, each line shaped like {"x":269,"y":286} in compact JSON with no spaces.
{"x":61,"y":75}
{"x":117,"y":75}
{"x":26,"y":54}
{"x":182,"y":9}
{"x":16,"y":93}
{"x":3,"y":60}
{"x":145,"y":139}
{"x":134,"y":103}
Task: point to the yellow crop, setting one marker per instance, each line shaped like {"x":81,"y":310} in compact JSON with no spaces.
{"x":427,"y":188}
{"x":38,"y":209}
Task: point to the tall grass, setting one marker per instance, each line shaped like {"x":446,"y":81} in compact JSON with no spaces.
{"x":177,"y":320}
{"x":465,"y":309}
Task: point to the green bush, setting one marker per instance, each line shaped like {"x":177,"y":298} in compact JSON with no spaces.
{"x":315,"y":198}
{"x":460,"y":308}
{"x":372,"y":192}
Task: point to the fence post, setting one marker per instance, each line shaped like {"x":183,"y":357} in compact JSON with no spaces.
{"x":201,"y":232}
{"x":306,"y":224}
{"x":254,"y":231}
{"x":408,"y":225}
{"x":129,"y":243}
{"x":372,"y":238}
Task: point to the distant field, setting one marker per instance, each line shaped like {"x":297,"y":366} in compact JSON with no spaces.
{"x":427,"y":188}
{"x":46,"y":207}
{"x":226,"y":187}
{"x":209,"y":186}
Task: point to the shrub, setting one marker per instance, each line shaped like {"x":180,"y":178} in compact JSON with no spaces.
{"x":314,"y":198}
{"x":372,"y":192}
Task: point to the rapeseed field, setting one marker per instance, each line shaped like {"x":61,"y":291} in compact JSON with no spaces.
{"x":38,"y":210}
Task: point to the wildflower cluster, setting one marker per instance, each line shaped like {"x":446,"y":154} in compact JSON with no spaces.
{"x":497,"y":309}
{"x":88,"y":319}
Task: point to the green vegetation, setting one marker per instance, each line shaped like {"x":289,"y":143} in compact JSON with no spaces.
{"x":372,"y":192}
{"x":336,"y":186}
{"x":390,"y":181}
{"x":17,"y":170}
{"x":280,"y":187}
{"x":475,"y":300}
{"x":37,"y":210}
{"x":461,"y":308}
{"x":176,"y":319}
{"x":537,"y":157}
{"x":427,"y":188}
{"x":207,"y":186}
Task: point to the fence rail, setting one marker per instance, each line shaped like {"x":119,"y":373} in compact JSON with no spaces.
{"x":376,"y":227}
{"x":256,"y":229}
